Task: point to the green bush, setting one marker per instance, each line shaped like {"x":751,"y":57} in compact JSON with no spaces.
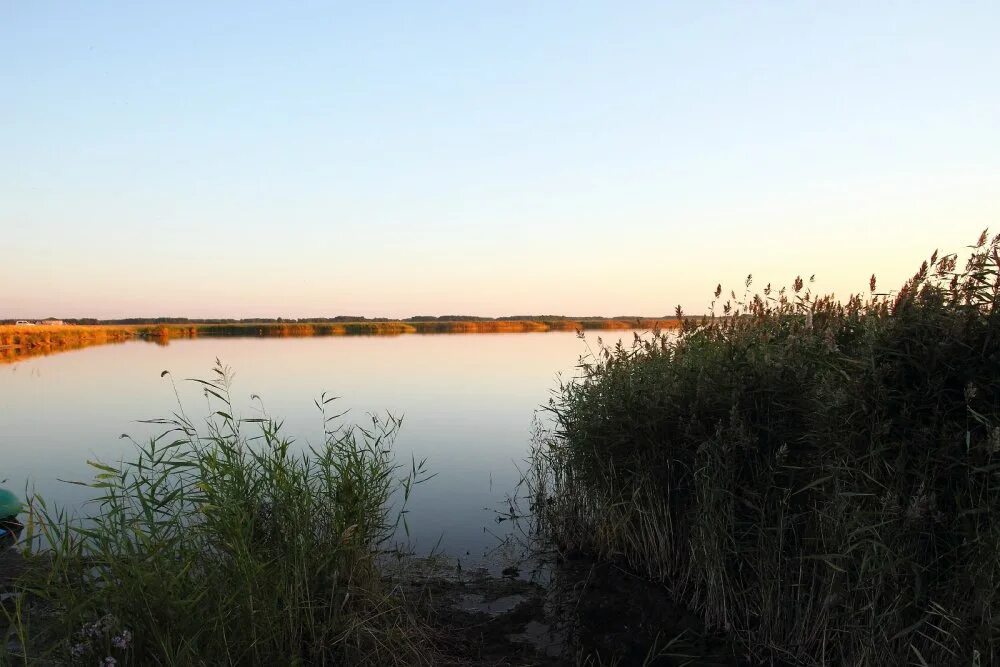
{"x":819,"y":479}
{"x":224,"y":545}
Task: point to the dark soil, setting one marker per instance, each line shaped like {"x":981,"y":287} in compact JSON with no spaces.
{"x":586,"y":613}
{"x":11,"y":566}
{"x":578,"y":612}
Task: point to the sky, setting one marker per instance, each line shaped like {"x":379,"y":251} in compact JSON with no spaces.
{"x":302,"y":159}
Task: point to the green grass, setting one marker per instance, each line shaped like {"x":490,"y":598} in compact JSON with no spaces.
{"x":819,"y":479}
{"x":224,"y":544}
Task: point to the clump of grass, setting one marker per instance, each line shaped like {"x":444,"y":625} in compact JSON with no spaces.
{"x":819,"y":478}
{"x":225,"y":544}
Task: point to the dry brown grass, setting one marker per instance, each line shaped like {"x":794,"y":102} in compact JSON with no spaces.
{"x":18,"y":342}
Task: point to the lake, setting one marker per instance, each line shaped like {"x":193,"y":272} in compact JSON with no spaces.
{"x":468,"y":402}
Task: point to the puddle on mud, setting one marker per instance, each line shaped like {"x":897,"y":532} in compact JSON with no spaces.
{"x":473,"y":603}
{"x":545,"y":638}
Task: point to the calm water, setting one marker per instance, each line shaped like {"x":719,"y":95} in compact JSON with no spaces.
{"x":468,"y":402}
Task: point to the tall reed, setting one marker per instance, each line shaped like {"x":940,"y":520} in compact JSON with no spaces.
{"x":818,"y":478}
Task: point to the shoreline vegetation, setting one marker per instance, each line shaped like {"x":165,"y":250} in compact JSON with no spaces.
{"x":819,"y":479}
{"x":222,"y":542}
{"x":800,"y":480}
{"x":22,"y":341}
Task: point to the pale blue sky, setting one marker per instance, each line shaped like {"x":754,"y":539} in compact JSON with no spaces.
{"x":315,"y":158}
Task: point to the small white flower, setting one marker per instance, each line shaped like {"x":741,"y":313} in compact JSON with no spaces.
{"x":122,"y":640}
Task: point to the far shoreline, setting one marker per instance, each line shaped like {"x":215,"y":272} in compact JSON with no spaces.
{"x":21,"y":341}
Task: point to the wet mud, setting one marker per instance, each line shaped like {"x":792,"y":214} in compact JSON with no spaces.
{"x":577,"y":613}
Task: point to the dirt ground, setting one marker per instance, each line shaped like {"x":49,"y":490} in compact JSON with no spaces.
{"x":11,"y":566}
{"x":576,"y":613}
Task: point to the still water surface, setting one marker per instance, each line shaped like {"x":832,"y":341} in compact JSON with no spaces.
{"x":468,"y":403}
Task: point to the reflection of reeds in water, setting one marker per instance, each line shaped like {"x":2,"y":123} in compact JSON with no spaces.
{"x":20,"y":342}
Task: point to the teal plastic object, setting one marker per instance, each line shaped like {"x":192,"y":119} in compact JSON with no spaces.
{"x":9,"y":504}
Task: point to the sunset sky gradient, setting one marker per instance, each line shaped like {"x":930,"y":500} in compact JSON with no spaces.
{"x":489,"y":158}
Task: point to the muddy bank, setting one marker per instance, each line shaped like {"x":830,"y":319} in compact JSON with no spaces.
{"x":579,"y":612}
{"x":11,"y":567}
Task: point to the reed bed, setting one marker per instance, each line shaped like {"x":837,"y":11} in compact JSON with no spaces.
{"x":223,"y":544}
{"x":50,"y":337}
{"x":19,"y":342}
{"x":820,"y":479}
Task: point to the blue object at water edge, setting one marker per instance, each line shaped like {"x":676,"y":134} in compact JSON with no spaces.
{"x":10,"y":505}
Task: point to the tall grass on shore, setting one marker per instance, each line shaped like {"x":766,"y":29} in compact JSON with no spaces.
{"x":820,"y":479}
{"x":18,"y":342}
{"x":225,"y":544}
